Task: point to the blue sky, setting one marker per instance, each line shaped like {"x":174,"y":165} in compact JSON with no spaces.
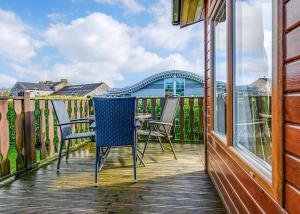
{"x":115,"y":41}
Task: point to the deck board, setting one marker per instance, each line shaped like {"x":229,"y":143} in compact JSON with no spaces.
{"x":164,"y":185}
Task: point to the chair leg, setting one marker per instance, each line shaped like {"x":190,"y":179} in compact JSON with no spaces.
{"x":144,"y":150}
{"x":68,"y":149}
{"x":101,"y":152}
{"x":59,"y":154}
{"x":134,"y":153}
{"x":173,"y":150}
{"x":97,"y":164}
{"x":162,"y":148}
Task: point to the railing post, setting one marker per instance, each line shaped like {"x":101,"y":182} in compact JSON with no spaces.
{"x":153,"y":108}
{"x":181,"y":120}
{"x":144,"y":103}
{"x":192,"y":119}
{"x":29,"y":131}
{"x":19,"y":128}
{"x":43,"y":130}
{"x":4,"y":139}
{"x":201,"y":119}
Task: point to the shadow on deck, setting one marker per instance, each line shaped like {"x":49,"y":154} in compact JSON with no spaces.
{"x":164,"y":185}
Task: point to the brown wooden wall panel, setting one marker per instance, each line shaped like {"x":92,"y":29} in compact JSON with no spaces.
{"x":262,"y":198}
{"x":292,"y":108}
{"x":292,"y":13}
{"x":292,"y":170}
{"x":228,"y":203}
{"x":293,"y":43}
{"x":233,"y":182}
{"x":292,"y":76}
{"x":292,"y":139}
{"x":292,"y":199}
{"x":227,"y":185}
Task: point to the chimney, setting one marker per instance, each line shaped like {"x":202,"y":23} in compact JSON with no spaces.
{"x":61,"y":85}
{"x":64,"y":81}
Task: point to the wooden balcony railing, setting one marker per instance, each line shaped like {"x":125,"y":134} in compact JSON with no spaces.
{"x":188,"y":124}
{"x":29,"y":136}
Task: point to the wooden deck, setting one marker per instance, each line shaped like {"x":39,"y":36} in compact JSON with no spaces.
{"x":164,"y":185}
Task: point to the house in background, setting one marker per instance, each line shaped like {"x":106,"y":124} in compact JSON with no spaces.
{"x":83,"y":90}
{"x":42,"y":88}
{"x":61,"y":88}
{"x":173,"y":82}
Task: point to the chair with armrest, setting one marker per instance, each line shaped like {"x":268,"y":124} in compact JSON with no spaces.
{"x":64,"y":123}
{"x":115,"y":127}
{"x":161,"y":129}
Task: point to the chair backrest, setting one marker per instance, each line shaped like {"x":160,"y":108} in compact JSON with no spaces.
{"x":115,"y":121}
{"x":169,"y":112}
{"x":62,"y":117}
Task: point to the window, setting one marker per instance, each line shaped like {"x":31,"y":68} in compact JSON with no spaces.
{"x":220,"y":69}
{"x":252,"y":78}
{"x":169,"y":87}
{"x":174,"y":86}
{"x":180,"y":86}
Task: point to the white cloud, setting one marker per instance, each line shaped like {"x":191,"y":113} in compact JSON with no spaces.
{"x":131,"y":6}
{"x":16,"y":43}
{"x":56,"y":17}
{"x":96,"y":47}
{"x":99,"y":47}
{"x":161,"y":34}
{"x":6,"y":80}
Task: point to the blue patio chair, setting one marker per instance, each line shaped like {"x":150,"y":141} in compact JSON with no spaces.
{"x":64,"y":123}
{"x":115,"y":127}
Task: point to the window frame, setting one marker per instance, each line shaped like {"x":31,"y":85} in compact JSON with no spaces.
{"x":221,"y":136}
{"x":263,"y":165}
{"x":272,"y":184}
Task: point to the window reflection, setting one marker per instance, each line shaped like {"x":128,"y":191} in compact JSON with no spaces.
{"x":169,"y":87}
{"x":220,"y":69}
{"x":180,"y":86}
{"x":253,"y":77}
{"x":174,"y":86}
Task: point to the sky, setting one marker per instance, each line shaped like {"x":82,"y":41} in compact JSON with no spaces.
{"x":119,"y":42}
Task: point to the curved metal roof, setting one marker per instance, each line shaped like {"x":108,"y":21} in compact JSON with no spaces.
{"x":155,"y":77}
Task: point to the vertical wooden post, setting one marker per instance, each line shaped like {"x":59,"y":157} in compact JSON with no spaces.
{"x":4,"y":138}
{"x":192,"y":119}
{"x":153,"y":108}
{"x":51,"y":129}
{"x":43,"y":130}
{"x":19,"y":127}
{"x":201,"y":119}
{"x":181,"y":120}
{"x":144,"y":102}
{"x":73,"y":113}
{"x":87,"y":109}
{"x":162,"y":105}
{"x":29,"y":131}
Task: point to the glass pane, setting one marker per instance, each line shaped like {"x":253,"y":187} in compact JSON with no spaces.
{"x":169,"y":86}
{"x":220,"y":68}
{"x":253,"y":77}
{"x":180,"y":86}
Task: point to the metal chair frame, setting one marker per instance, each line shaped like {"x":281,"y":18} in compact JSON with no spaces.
{"x":64,"y":123}
{"x":161,"y":129}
